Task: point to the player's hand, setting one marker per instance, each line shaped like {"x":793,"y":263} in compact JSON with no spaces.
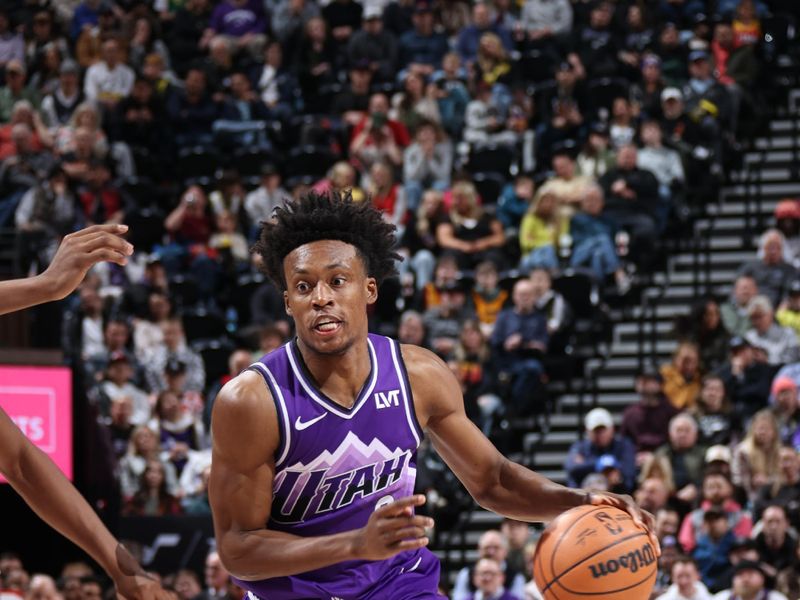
{"x":133,"y":583}
{"x":641,"y":518}
{"x":392,"y":529}
{"x":80,"y":251}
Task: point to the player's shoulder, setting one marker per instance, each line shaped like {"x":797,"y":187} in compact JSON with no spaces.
{"x":244,"y":397}
{"x":421,"y":362}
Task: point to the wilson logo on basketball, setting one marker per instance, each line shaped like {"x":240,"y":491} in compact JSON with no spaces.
{"x":632,"y":561}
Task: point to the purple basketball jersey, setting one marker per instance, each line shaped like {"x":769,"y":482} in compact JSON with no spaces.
{"x":334,"y":466}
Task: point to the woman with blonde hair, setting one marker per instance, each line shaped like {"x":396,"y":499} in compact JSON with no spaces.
{"x":491,"y":63}
{"x":469,"y":232}
{"x":144,"y":446}
{"x":538,"y":233}
{"x":657,"y":467}
{"x":756,"y":459}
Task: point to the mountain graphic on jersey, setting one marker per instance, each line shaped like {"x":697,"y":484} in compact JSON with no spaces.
{"x":333,"y":480}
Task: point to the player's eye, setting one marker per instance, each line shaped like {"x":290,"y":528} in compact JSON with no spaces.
{"x":337,"y":281}
{"x":303,"y":287}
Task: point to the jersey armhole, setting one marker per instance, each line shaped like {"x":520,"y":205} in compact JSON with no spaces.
{"x":405,"y":384}
{"x":284,"y":431}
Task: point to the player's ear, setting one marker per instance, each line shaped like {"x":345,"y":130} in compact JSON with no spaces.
{"x":286,"y":303}
{"x":372,"y":290}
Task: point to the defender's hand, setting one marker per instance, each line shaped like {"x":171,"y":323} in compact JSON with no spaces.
{"x":80,"y":251}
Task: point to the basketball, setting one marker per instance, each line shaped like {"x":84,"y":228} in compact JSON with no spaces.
{"x":593,"y":551}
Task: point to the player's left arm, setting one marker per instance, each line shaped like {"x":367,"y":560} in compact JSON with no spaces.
{"x":77,"y":253}
{"x":36,"y":478}
{"x":495,"y":482}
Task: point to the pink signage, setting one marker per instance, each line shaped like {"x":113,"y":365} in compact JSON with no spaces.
{"x":39,"y":401}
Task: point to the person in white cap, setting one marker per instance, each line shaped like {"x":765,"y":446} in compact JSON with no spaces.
{"x":600,"y":440}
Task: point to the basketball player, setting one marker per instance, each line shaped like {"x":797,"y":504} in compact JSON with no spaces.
{"x":314,"y":446}
{"x":29,"y":471}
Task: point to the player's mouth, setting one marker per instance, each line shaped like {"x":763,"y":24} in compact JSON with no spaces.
{"x":327,"y":326}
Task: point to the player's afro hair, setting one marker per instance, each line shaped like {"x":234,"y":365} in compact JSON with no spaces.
{"x":330,"y":216}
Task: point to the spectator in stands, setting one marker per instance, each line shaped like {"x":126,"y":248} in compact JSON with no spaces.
{"x":484,"y":122}
{"x":684,"y":455}
{"x":450,"y":93}
{"x":191,"y":111}
{"x":12,"y":44}
{"x":289,"y":18}
{"x":646,"y":423}
{"x":489,"y":579}
{"x":118,"y":383}
{"x":756,"y":459}
{"x":262,"y":202}
{"x":770,"y":270}
{"x":747,"y":379}
{"x":375,"y":46}
{"x":665,"y":163}
{"x":713,"y":413}
{"x":487,"y":297}
{"x":422,"y":48}
{"x":179,"y":429}
{"x":195,"y":501}
{"x":544,"y":20}
{"x":632,"y":198}
{"x":518,"y":534}
{"x":412,"y":105}
{"x":785,"y":491}
{"x":187,"y":584}
{"x":788,"y":313}
{"x":776,"y":545}
{"x":100,"y":200}
{"x":596,"y":158}
{"x":686,"y":583}
{"x":109,"y":80}
{"x":714,"y":540}
{"x":469,"y":362}
{"x":780,"y":343}
{"x":480,"y":23}
{"x":717,"y":495}
{"x":622,"y":126}
{"x":443,"y":321}
{"x":82,"y":328}
{"x":42,"y":587}
{"x":514,"y":202}
{"x":143,"y":447}
{"x":216,"y":577}
{"x":427,"y":163}
{"x":153,"y":499}
{"x":241,"y":21}
{"x":566,"y":183}
{"x":15,"y":90}
{"x":786,"y":407}
{"x":45,"y":214}
{"x":539,"y":232}
{"x":315,"y":60}
{"x":652,"y":495}
{"x":734,"y":312}
{"x":119,"y":424}
{"x":412,"y":329}
{"x":470,"y":232}
{"x":22,"y":171}
{"x":519,"y":340}
{"x":704,"y":328}
{"x":243,"y":117}
{"x":58,"y":106}
{"x":174,"y":347}
{"x":549,"y":302}
{"x":682,"y":376}
{"x":749,"y":581}
{"x":419,"y":239}
{"x":147,"y":331}
{"x":600,"y":441}
{"x":493,"y":546}
{"x":593,"y":240}
{"x":388,"y":196}
{"x":597,"y":45}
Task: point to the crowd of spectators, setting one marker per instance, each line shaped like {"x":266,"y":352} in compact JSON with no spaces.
{"x":507,"y":141}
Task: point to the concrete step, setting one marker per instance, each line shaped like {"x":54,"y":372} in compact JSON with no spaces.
{"x":614,"y":402}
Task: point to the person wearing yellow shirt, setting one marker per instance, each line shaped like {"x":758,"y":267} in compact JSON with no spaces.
{"x":538,"y":233}
{"x":682,"y":376}
{"x":788,"y":313}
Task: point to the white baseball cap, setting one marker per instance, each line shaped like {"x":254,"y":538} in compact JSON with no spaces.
{"x":597,"y":417}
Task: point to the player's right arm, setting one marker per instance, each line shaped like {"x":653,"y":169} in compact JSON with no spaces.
{"x":245,"y":436}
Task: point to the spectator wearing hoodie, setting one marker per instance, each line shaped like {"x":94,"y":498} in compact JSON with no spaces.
{"x":686,"y":583}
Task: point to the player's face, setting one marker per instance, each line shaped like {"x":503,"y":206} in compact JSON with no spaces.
{"x":327,"y":294}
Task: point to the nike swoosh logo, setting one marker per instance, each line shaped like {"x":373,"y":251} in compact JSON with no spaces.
{"x":300,"y":425}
